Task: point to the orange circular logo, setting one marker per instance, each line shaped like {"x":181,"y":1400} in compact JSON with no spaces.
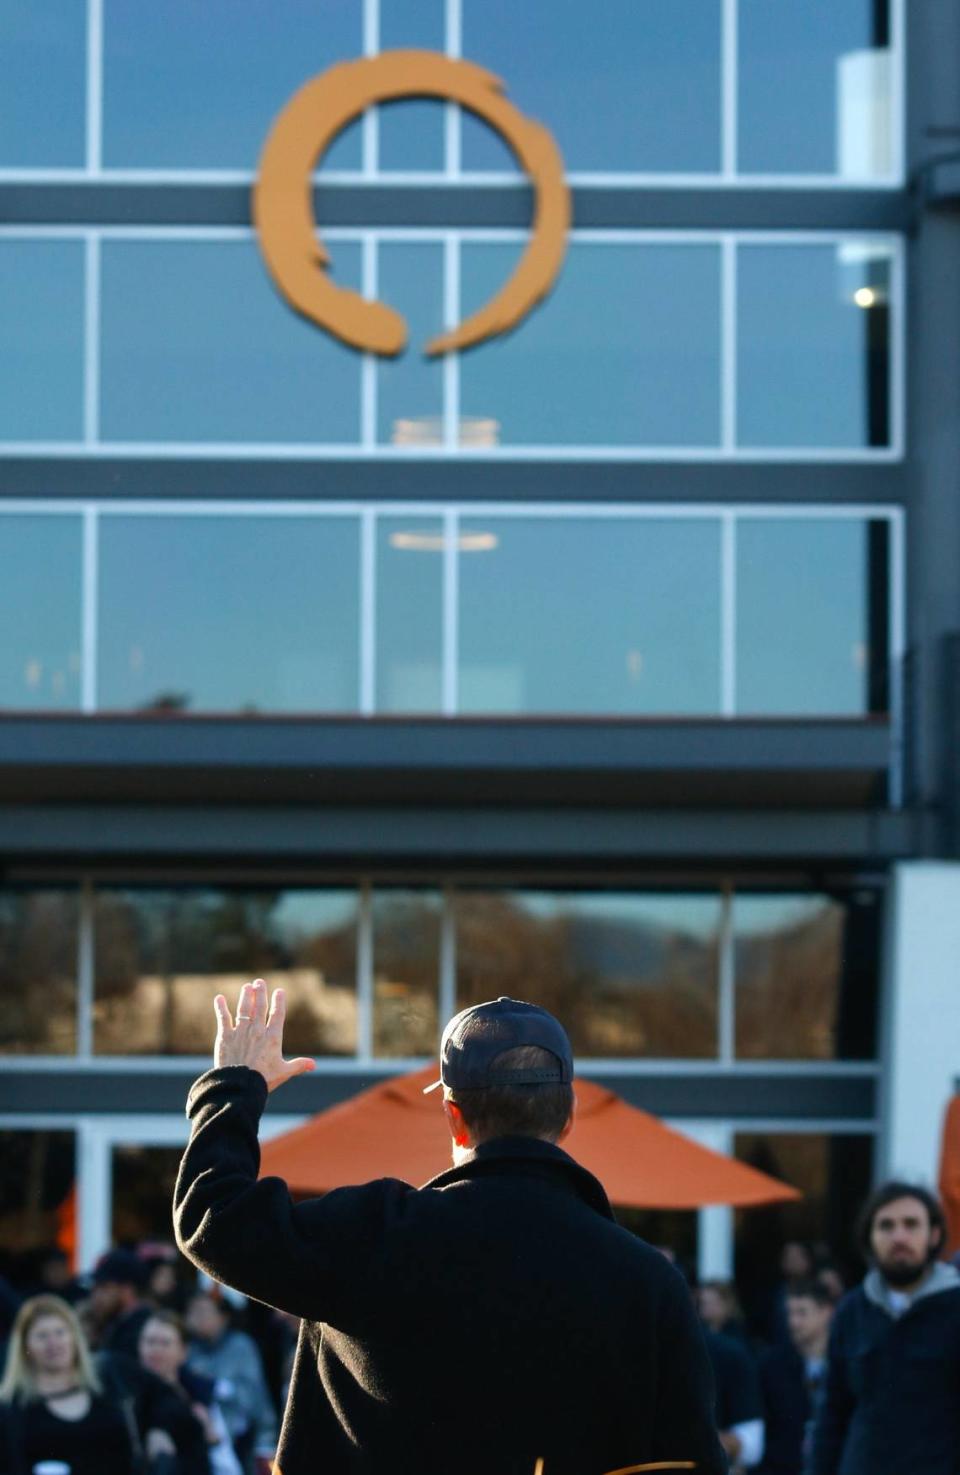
{"x":298,"y":261}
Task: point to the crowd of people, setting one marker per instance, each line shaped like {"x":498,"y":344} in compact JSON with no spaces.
{"x":139,"y":1367}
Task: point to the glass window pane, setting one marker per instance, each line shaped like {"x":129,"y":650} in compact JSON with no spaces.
{"x":197,"y":345}
{"x":815,"y":88}
{"x":37,"y":1204}
{"x":40,"y":612}
{"x":626,"y":975}
{"x":624,"y":351}
{"x":813,"y":344}
{"x":190,"y":86}
{"x":621,"y":86}
{"x":410,"y":387}
{"x":162,"y":956}
{"x":41,"y":340}
{"x":43,"y":97}
{"x":801,"y":620}
{"x":409,"y":614}
{"x":38,"y":972}
{"x":406,"y":972}
{"x":142,"y":1183}
{"x":581,"y":615}
{"x":806,"y":974}
{"x":229,"y":614}
{"x":412,"y":132}
{"x":834,"y":1173}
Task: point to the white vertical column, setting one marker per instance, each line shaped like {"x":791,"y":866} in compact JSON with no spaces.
{"x":448,"y":960}
{"x":368,"y":611}
{"x":368,"y":366}
{"x":726,"y":983}
{"x":370,"y":134}
{"x":453,"y":45}
{"x":920,"y":1036}
{"x":451,"y":611}
{"x":728,"y":345}
{"x":451,"y":361}
{"x":94,"y":1192}
{"x":897,"y":640}
{"x":728,"y":65}
{"x":715,"y":1223}
{"x":728,"y":615}
{"x":89,"y":598}
{"x":94,"y":86}
{"x":91,"y":340}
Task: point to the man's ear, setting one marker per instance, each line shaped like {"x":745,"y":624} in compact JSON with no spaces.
{"x":570,"y":1121}
{"x":459,"y":1130}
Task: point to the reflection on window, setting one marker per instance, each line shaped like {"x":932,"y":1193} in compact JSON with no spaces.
{"x":222,"y":614}
{"x":38,"y":970}
{"x":36,"y":1192}
{"x":406,"y":972}
{"x":803,"y":638}
{"x":815,"y":89}
{"x":833,"y":1173}
{"x":409,"y":614}
{"x":625,"y":351}
{"x":589,"y":615}
{"x":626,"y":975}
{"x":411,"y":133}
{"x":813,"y":344}
{"x":41,"y":343}
{"x":621,"y":86}
{"x":162,"y":956}
{"x":190,"y":86}
{"x":40,"y":614}
{"x":805,"y":970}
{"x":42,"y":100}
{"x":197,"y":345}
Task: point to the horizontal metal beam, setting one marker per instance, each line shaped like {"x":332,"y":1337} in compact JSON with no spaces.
{"x":467,"y":204}
{"x":416,"y":836}
{"x":70,"y":1092}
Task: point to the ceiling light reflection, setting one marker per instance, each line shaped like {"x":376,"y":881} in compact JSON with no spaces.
{"x":413,"y":542}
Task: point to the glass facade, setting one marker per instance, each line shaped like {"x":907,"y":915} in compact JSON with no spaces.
{"x":369,"y":969}
{"x":516,"y":611}
{"x":647,"y":345}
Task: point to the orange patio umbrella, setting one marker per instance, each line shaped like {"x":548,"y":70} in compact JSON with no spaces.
{"x":393,"y":1131}
{"x":950,"y":1174}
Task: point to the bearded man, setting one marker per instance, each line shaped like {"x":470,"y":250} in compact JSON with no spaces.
{"x":892,"y":1397}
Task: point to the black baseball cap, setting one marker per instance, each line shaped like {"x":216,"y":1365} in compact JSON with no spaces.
{"x":476,"y":1037}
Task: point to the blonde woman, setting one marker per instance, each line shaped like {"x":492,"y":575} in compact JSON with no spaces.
{"x":51,"y":1404}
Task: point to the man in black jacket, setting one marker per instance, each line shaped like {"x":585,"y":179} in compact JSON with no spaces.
{"x":892,"y":1397}
{"x":492,"y":1319}
{"x":792,"y":1376}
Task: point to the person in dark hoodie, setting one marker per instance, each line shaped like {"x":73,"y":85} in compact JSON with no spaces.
{"x":892,"y":1396}
{"x":495,"y":1318}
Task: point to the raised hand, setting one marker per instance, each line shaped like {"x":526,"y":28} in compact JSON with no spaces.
{"x":256,"y":1038}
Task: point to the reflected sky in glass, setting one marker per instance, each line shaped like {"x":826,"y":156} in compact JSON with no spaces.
{"x":801,"y":617}
{"x":229,"y":614}
{"x":584,"y":615}
{"x":198,"y":345}
{"x":43,"y":98}
{"x":804,"y":344}
{"x":41,"y":340}
{"x":409,"y":648}
{"x":624,"y":351}
{"x":197,"y":86}
{"x":412,"y":132}
{"x":40,"y":612}
{"x":813,"y":91}
{"x":621,"y":86}
{"x":410,"y":386}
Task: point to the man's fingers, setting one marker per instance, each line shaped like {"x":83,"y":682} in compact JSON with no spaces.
{"x":224,"y":1018}
{"x":259,"y":1006}
{"x":298,"y":1067}
{"x":278,"y":1010}
{"x":249,"y":1008}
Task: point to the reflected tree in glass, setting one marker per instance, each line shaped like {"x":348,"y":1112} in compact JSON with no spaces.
{"x":161,"y":956}
{"x":38,"y":970}
{"x":627,"y":975}
{"x":789,"y":967}
{"x":406,"y":971}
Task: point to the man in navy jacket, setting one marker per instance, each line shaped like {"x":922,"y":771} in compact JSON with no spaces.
{"x":892,"y":1397}
{"x":492,"y":1319}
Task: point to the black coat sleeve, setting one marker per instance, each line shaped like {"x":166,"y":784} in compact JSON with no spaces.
{"x":835,"y":1406}
{"x":685,"y":1428}
{"x":317,"y":1260}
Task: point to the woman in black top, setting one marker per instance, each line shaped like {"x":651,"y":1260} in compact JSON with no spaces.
{"x":51,"y":1405}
